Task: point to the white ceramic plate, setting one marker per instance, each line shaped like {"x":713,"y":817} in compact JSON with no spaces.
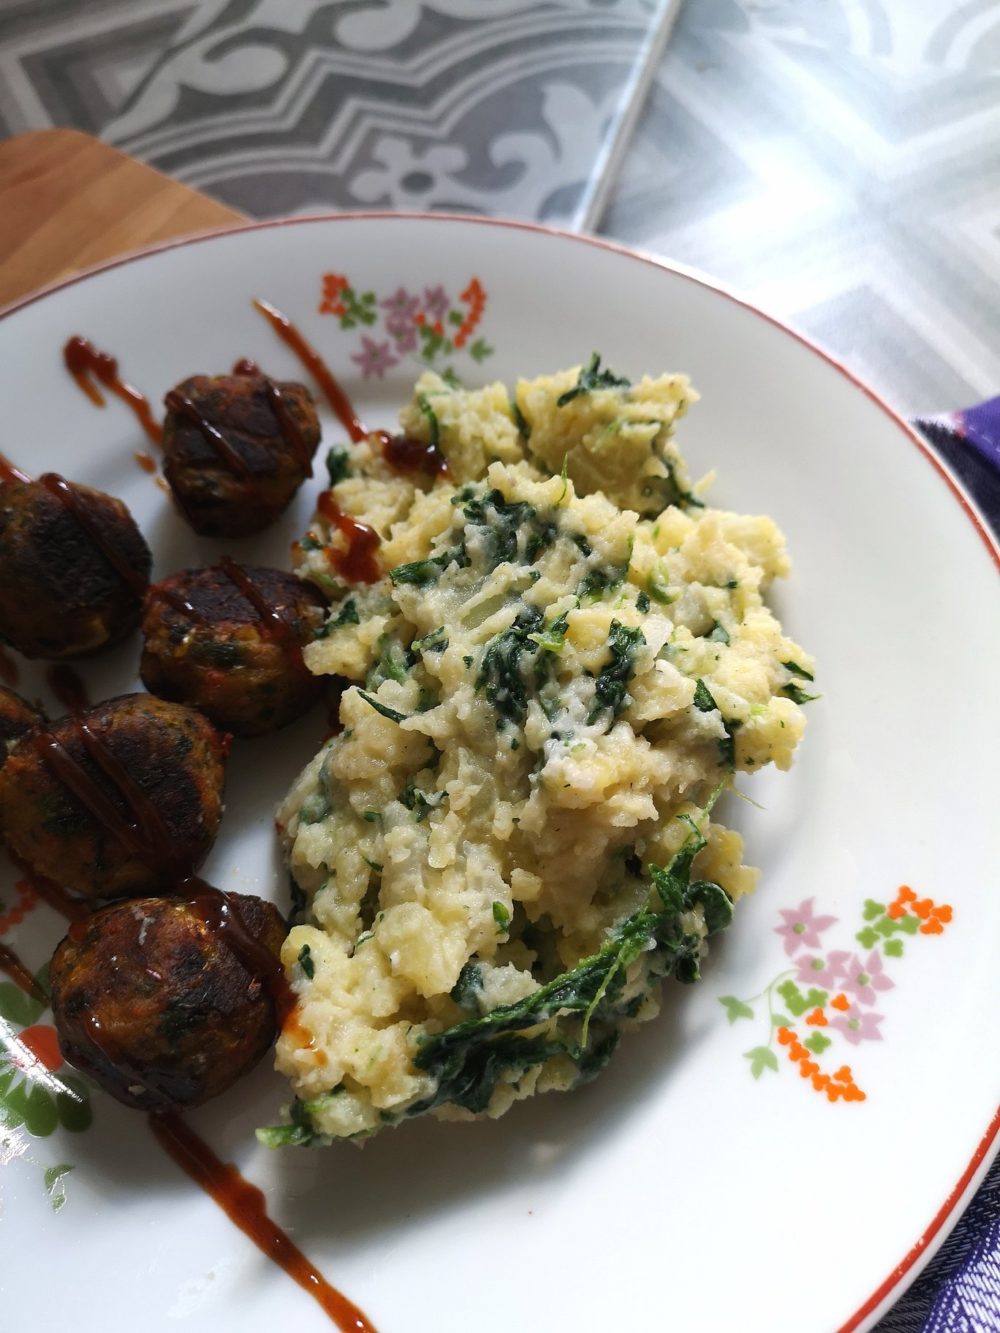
{"x":678,"y":1190}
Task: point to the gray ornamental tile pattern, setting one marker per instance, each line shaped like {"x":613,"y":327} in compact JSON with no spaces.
{"x":489,"y":106}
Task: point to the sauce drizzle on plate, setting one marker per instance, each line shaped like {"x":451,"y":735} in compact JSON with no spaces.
{"x":12,"y":966}
{"x":358,"y":562}
{"x":86,"y":364}
{"x":407,"y":455}
{"x":317,"y":367}
{"x":244,"y":1204}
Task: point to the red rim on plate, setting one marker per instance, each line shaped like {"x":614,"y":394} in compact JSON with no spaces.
{"x":989,"y":1145}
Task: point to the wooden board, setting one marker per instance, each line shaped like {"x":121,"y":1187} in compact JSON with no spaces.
{"x":68,"y":201}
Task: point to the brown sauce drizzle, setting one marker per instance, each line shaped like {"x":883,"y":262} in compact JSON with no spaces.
{"x":400,"y":452}
{"x":269,"y":617}
{"x":273,"y":623}
{"x":317,"y":367}
{"x":179,"y":603}
{"x":244,"y":1204}
{"x":146,"y":461}
{"x":86,"y":364}
{"x":12,"y":966}
{"x":221,"y":913}
{"x":68,"y":688}
{"x":406,"y":455}
{"x":358,"y":563}
{"x":61,"y":489}
{"x":10,"y":472}
{"x":147,"y":836}
{"x":182,"y":406}
{"x":290,"y":429}
{"x":8,"y":667}
{"x":67,"y":497}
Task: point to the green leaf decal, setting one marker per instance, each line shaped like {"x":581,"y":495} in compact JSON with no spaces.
{"x":760,"y":1059}
{"x":817,"y":1043}
{"x":735,"y":1008}
{"x":793,"y":998}
{"x":55,"y":1184}
{"x":18,"y":1007}
{"x":29,"y":1105}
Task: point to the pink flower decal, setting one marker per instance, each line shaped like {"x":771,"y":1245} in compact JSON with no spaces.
{"x":858,"y":1025}
{"x":802,"y":926}
{"x":815,"y":971}
{"x":865,"y":978}
{"x":404,"y":331}
{"x":374,"y":358}
{"x":436,"y":302}
{"x":401,"y":304}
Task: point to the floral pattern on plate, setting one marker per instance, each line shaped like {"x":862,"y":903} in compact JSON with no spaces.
{"x":833,"y":992}
{"x":427,"y":324}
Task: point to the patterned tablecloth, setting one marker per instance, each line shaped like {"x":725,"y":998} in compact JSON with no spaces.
{"x":835,"y":160}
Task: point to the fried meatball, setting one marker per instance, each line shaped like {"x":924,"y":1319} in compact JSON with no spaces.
{"x":157,"y":1006}
{"x":73,"y":568}
{"x":17,"y":717}
{"x":236,"y":449}
{"x":227,"y":655}
{"x":133,"y":832}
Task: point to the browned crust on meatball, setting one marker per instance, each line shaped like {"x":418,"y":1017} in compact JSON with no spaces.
{"x":172,"y":754}
{"x":225,"y":660}
{"x":17,"y":718}
{"x":59,"y":595}
{"x":216,"y":498}
{"x":156,"y":1007}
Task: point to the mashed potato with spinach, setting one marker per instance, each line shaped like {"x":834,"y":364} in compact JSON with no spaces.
{"x":512,"y":841}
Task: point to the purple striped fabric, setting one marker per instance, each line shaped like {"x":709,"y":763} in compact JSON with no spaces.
{"x":959,"y":1292}
{"x":970,"y":442}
